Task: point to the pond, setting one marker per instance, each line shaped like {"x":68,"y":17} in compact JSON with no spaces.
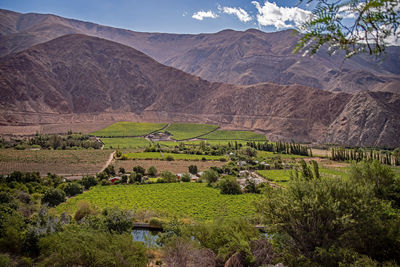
{"x":148,"y":237}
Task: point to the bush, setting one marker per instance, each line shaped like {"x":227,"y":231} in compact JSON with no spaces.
{"x":169,"y":158}
{"x":169,"y":177}
{"x":110,"y":170}
{"x":117,"y":220}
{"x":5,"y":260}
{"x":152,"y":171}
{"x":53,"y":197}
{"x":229,"y":186}
{"x":86,"y":247}
{"x":210,"y":176}
{"x":193,"y":169}
{"x":139,"y":169}
{"x":122,"y":170}
{"x":83,"y":210}
{"x":89,"y":181}
{"x":72,"y":189}
{"x":105,"y":182}
{"x":329,"y":220}
{"x":185,"y":177}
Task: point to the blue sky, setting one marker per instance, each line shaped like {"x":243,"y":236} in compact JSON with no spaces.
{"x":172,"y":16}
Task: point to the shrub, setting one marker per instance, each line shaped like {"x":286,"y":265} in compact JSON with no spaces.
{"x":185,"y":177}
{"x":229,"y":186}
{"x":139,"y":169}
{"x":169,"y":158}
{"x":89,"y":181}
{"x":193,"y":169}
{"x":72,"y":189}
{"x":117,"y":220}
{"x":53,"y":197}
{"x":152,"y":171}
{"x":83,"y":210}
{"x":169,"y":177}
{"x":122,"y":170}
{"x":210,"y":176}
{"x":87,"y":247}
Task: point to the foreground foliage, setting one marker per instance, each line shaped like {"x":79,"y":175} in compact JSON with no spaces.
{"x":333,"y":221}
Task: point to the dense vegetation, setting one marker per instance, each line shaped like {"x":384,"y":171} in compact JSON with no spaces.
{"x":53,"y":141}
{"x":129,"y":129}
{"x":359,"y":154}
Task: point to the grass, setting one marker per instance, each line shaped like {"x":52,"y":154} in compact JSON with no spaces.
{"x":184,"y":200}
{"x":132,"y":129}
{"x":278,"y":176}
{"x":182,"y":131}
{"x":158,"y":155}
{"x":125,"y":142}
{"x":234,"y":135}
{"x":54,"y":161}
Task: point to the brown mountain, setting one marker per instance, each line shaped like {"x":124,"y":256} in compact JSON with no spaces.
{"x":236,"y":57}
{"x":80,"y":78}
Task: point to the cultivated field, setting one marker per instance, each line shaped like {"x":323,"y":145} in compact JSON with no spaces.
{"x":66,"y":162}
{"x":234,"y":135}
{"x":126,"y":142}
{"x":121,"y":129}
{"x":278,"y":176}
{"x":261,"y":155}
{"x":182,"y":131}
{"x":180,"y":166}
{"x":158,"y":155}
{"x":184,"y":200}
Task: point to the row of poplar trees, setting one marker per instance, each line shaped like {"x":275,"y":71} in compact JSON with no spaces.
{"x":356,"y":154}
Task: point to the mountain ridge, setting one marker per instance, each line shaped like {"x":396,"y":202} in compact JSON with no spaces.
{"x":244,"y":58}
{"x":82,"y":78}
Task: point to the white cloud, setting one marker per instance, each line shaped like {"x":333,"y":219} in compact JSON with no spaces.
{"x":242,"y":15}
{"x":200,"y":15}
{"x":281,"y":17}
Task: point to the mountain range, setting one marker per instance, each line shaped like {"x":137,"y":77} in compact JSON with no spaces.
{"x":56,"y":70}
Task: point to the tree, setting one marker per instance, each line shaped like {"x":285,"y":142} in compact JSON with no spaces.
{"x":152,"y":171}
{"x":117,"y":220}
{"x":72,"y":189}
{"x":193,"y":169}
{"x":229,"y":186}
{"x":89,"y":181}
{"x":354,"y":26}
{"x":53,"y":197}
{"x":210,"y":176}
{"x":185,"y":178}
{"x":168,"y":177}
{"x":139,"y":169}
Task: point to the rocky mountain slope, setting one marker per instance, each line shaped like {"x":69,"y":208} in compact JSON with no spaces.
{"x":78,"y":78}
{"x":236,"y":57}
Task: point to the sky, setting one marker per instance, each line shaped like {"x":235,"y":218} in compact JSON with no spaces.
{"x":172,"y":16}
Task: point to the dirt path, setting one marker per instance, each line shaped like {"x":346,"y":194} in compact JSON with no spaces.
{"x":110,"y":158}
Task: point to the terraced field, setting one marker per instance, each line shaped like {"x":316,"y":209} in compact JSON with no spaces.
{"x":184,"y":200}
{"x":127,"y":142}
{"x":131,"y":129}
{"x":183,"y":131}
{"x":234,"y":135}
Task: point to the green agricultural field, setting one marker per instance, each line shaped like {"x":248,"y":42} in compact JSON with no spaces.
{"x":182,"y":131}
{"x":234,"y":135}
{"x":333,"y":172}
{"x":144,"y":155}
{"x":278,"y":176}
{"x":158,"y":155}
{"x":121,"y":129}
{"x":183,"y":200}
{"x":261,"y":155}
{"x":126,"y":142}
